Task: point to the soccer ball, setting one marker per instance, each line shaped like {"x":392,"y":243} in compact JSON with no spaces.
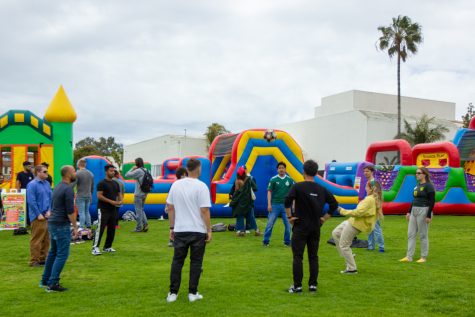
{"x":270,"y":135}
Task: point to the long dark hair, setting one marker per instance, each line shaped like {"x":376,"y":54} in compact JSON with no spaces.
{"x":378,"y":197}
{"x":426,"y":172}
{"x":139,"y":162}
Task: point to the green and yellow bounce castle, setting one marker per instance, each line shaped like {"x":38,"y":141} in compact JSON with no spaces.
{"x":26,"y":137}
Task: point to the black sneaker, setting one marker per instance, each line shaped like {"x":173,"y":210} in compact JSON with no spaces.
{"x":312,"y":288}
{"x":294,"y":289}
{"x":56,"y":288}
{"x":349,"y":272}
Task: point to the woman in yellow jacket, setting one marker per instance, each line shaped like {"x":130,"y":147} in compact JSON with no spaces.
{"x":362,"y":219}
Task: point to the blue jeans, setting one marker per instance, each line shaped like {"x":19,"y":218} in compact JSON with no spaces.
{"x":376,"y":234}
{"x":250,"y":221}
{"x":60,"y":236}
{"x":83,"y":204}
{"x":277,"y":210}
{"x":139,"y":202}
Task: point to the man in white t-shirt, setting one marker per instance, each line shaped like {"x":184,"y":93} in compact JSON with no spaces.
{"x":190,"y":228}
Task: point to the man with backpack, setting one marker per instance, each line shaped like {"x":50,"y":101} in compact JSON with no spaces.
{"x":143,"y":186}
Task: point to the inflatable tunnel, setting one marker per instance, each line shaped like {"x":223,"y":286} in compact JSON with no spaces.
{"x":226,"y":153}
{"x":156,"y":200}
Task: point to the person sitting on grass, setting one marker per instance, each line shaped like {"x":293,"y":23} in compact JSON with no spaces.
{"x":362,"y":219}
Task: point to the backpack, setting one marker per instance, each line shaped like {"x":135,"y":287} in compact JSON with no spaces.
{"x":218,"y":227}
{"x":20,"y":231}
{"x":147,"y":182}
{"x":129,"y":216}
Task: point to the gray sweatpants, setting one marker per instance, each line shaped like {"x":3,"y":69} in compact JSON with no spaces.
{"x":417,"y":223}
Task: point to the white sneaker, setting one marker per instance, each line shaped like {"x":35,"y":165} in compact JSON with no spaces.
{"x":109,"y":250}
{"x":171,"y":297}
{"x":96,"y":251}
{"x":194,"y":297}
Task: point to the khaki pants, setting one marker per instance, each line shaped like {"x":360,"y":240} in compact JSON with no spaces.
{"x":39,"y":242}
{"x":417,"y":223}
{"x":343,"y":236}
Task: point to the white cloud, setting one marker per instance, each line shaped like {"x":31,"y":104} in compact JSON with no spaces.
{"x":139,"y":70}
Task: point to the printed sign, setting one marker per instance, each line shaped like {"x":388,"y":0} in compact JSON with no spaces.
{"x":433,"y":160}
{"x":13,"y":214}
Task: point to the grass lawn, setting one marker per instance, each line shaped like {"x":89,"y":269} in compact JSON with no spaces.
{"x":242,"y":278}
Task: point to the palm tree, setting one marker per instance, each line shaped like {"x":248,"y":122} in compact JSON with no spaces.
{"x":400,"y":38}
{"x":213,"y":130}
{"x":424,"y":131}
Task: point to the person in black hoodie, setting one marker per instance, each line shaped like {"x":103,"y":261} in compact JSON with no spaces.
{"x":310,"y":199}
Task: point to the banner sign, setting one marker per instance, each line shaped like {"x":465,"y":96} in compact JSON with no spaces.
{"x":13,"y":214}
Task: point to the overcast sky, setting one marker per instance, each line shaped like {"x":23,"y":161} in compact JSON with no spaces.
{"x":140,"y":69}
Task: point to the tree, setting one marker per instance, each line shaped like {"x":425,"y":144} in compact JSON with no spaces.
{"x":424,"y":131}
{"x":400,"y":38}
{"x":213,"y":130}
{"x":101,"y":146}
{"x":468,"y":116}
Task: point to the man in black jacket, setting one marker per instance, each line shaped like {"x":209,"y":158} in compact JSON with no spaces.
{"x":307,"y":218}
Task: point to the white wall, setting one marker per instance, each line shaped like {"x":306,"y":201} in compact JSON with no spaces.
{"x":340,"y":137}
{"x":347,"y":123}
{"x":371,"y":101}
{"x":159,"y":149}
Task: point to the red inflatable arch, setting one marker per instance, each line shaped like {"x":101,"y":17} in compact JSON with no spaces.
{"x":472,"y":124}
{"x":402,"y":146}
{"x":442,"y":147}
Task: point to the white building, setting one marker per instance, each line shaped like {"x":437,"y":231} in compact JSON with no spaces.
{"x":347,"y":123}
{"x":159,"y":149}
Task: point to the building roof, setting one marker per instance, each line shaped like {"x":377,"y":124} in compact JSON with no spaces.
{"x":392,"y":116}
{"x":168,"y":137}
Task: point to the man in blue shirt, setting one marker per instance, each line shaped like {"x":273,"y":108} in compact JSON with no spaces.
{"x":38,"y":197}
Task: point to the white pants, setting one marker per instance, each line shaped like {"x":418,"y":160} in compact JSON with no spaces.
{"x":343,"y":236}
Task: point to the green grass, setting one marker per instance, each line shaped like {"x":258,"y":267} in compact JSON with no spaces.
{"x":242,"y":278}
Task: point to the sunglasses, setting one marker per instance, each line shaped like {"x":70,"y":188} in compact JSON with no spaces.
{"x":419,"y":173}
{"x":46,"y":172}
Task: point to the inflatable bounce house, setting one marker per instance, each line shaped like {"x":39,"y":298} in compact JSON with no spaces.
{"x":226,"y":154}
{"x":451,"y":166}
{"x":26,"y":137}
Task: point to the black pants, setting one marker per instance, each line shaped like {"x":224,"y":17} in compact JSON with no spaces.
{"x":106,"y":218}
{"x":194,"y":241}
{"x":301,"y":237}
